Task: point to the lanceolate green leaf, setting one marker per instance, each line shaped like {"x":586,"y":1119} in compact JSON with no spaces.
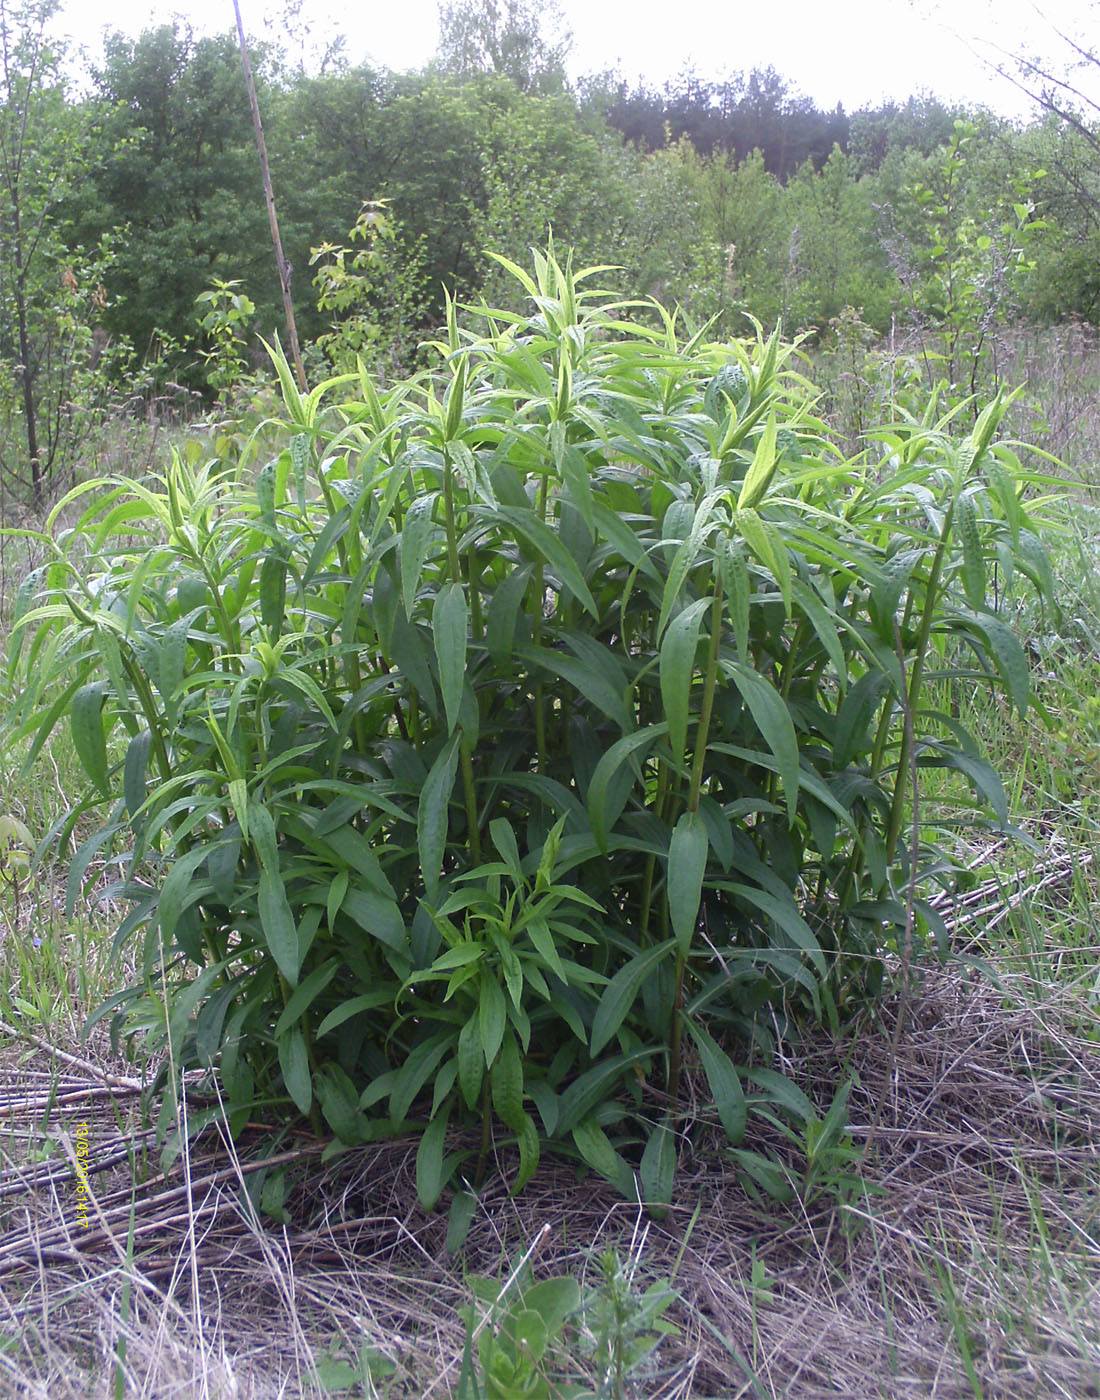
{"x":596,"y":1149}
{"x":294,"y":1062}
{"x":774,"y":722}
{"x":433,"y":814}
{"x":621,"y":993}
{"x":450,"y":620}
{"x":89,"y":740}
{"x":416,"y":538}
{"x":762,"y":469}
{"x":687,"y":864}
{"x":625,"y":750}
{"x":677,"y":669}
{"x":430,"y":1175}
{"x":1008,"y":655}
{"x":544,"y":544}
{"x":277,"y":924}
{"x":658,"y":1168}
{"x":507,"y":1079}
{"x":725,"y":1086}
{"x":973,"y":561}
{"x":304,"y":997}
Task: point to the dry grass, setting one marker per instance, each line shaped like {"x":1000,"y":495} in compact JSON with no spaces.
{"x":970,"y":1268}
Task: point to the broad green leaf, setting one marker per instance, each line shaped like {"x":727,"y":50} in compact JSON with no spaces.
{"x":594,"y":685}
{"x":786,"y":914}
{"x":272,"y":601}
{"x":492,"y":1014}
{"x":277,"y":922}
{"x":981,"y":774}
{"x":430,"y":1161}
{"x":405,"y":1083}
{"x":177,"y":887}
{"x":624,"y":750}
{"x":379,"y":916}
{"x":211,"y":1022}
{"x":410,"y":656}
{"x":305,"y":995}
{"x":595,"y":1147}
{"x":471,"y":1062}
{"x":554,"y":1299}
{"x":344,"y":1012}
{"x":339,"y":1102}
{"x":86,"y":725}
{"x":575,"y":475}
{"x":545,"y":545}
{"x":593,"y":1087}
{"x":657,"y":1169}
{"x":858,"y":708}
{"x":417,"y":534}
{"x":824,"y":627}
{"x":774,"y":722}
{"x":766,"y":543}
{"x":687,"y":864}
{"x":453,"y":404}
{"x":527,"y":1140}
{"x":621,"y":993}
{"x":433,"y":813}
{"x":767,"y":1174}
{"x":294,"y":1063}
{"x":737,"y":587}
{"x":173,"y":659}
{"x":459,"y":1219}
{"x":501,"y":625}
{"x":1008,"y":656}
{"x":450,"y":622}
{"x":782,"y":1092}
{"x":677,"y":669}
{"x":973,"y":560}
{"x":264,"y":838}
{"x":507,"y":1083}
{"x":135,"y":770}
{"x":725,"y":1086}
{"x":335,"y":897}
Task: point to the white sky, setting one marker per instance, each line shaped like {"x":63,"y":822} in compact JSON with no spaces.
{"x":858,"y":52}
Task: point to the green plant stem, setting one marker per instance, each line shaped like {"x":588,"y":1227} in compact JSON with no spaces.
{"x":453,"y":564}
{"x":149,"y":709}
{"x":651,"y":860}
{"x":473,"y":833}
{"x":355,"y":676}
{"x":911,"y":698}
{"x":536,"y":631}
{"x":710,"y":682}
{"x":675,"y":1043}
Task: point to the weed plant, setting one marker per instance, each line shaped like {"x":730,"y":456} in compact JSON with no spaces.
{"x":525,"y":729}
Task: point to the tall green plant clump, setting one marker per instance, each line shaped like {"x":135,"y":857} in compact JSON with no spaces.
{"x":525,"y":732}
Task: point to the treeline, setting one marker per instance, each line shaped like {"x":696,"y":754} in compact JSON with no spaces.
{"x":730,"y":199}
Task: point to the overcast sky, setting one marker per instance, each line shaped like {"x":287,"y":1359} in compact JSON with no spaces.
{"x":858,"y":52}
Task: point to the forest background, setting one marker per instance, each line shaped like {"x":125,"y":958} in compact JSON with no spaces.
{"x":135,"y":261}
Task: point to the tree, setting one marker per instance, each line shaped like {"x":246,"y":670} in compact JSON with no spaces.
{"x":519,"y":39}
{"x":181,"y":175}
{"x":49,"y":295}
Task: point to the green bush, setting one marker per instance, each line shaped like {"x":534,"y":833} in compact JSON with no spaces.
{"x":525,"y":730}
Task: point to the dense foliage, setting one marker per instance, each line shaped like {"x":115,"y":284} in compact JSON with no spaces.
{"x":526,"y":729}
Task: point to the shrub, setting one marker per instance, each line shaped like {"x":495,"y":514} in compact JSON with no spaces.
{"x":524,"y":730}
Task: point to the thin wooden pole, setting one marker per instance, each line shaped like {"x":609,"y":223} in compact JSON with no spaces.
{"x":276,"y":241}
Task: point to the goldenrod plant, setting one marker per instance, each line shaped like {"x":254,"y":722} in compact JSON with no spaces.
{"x":527,"y":730}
